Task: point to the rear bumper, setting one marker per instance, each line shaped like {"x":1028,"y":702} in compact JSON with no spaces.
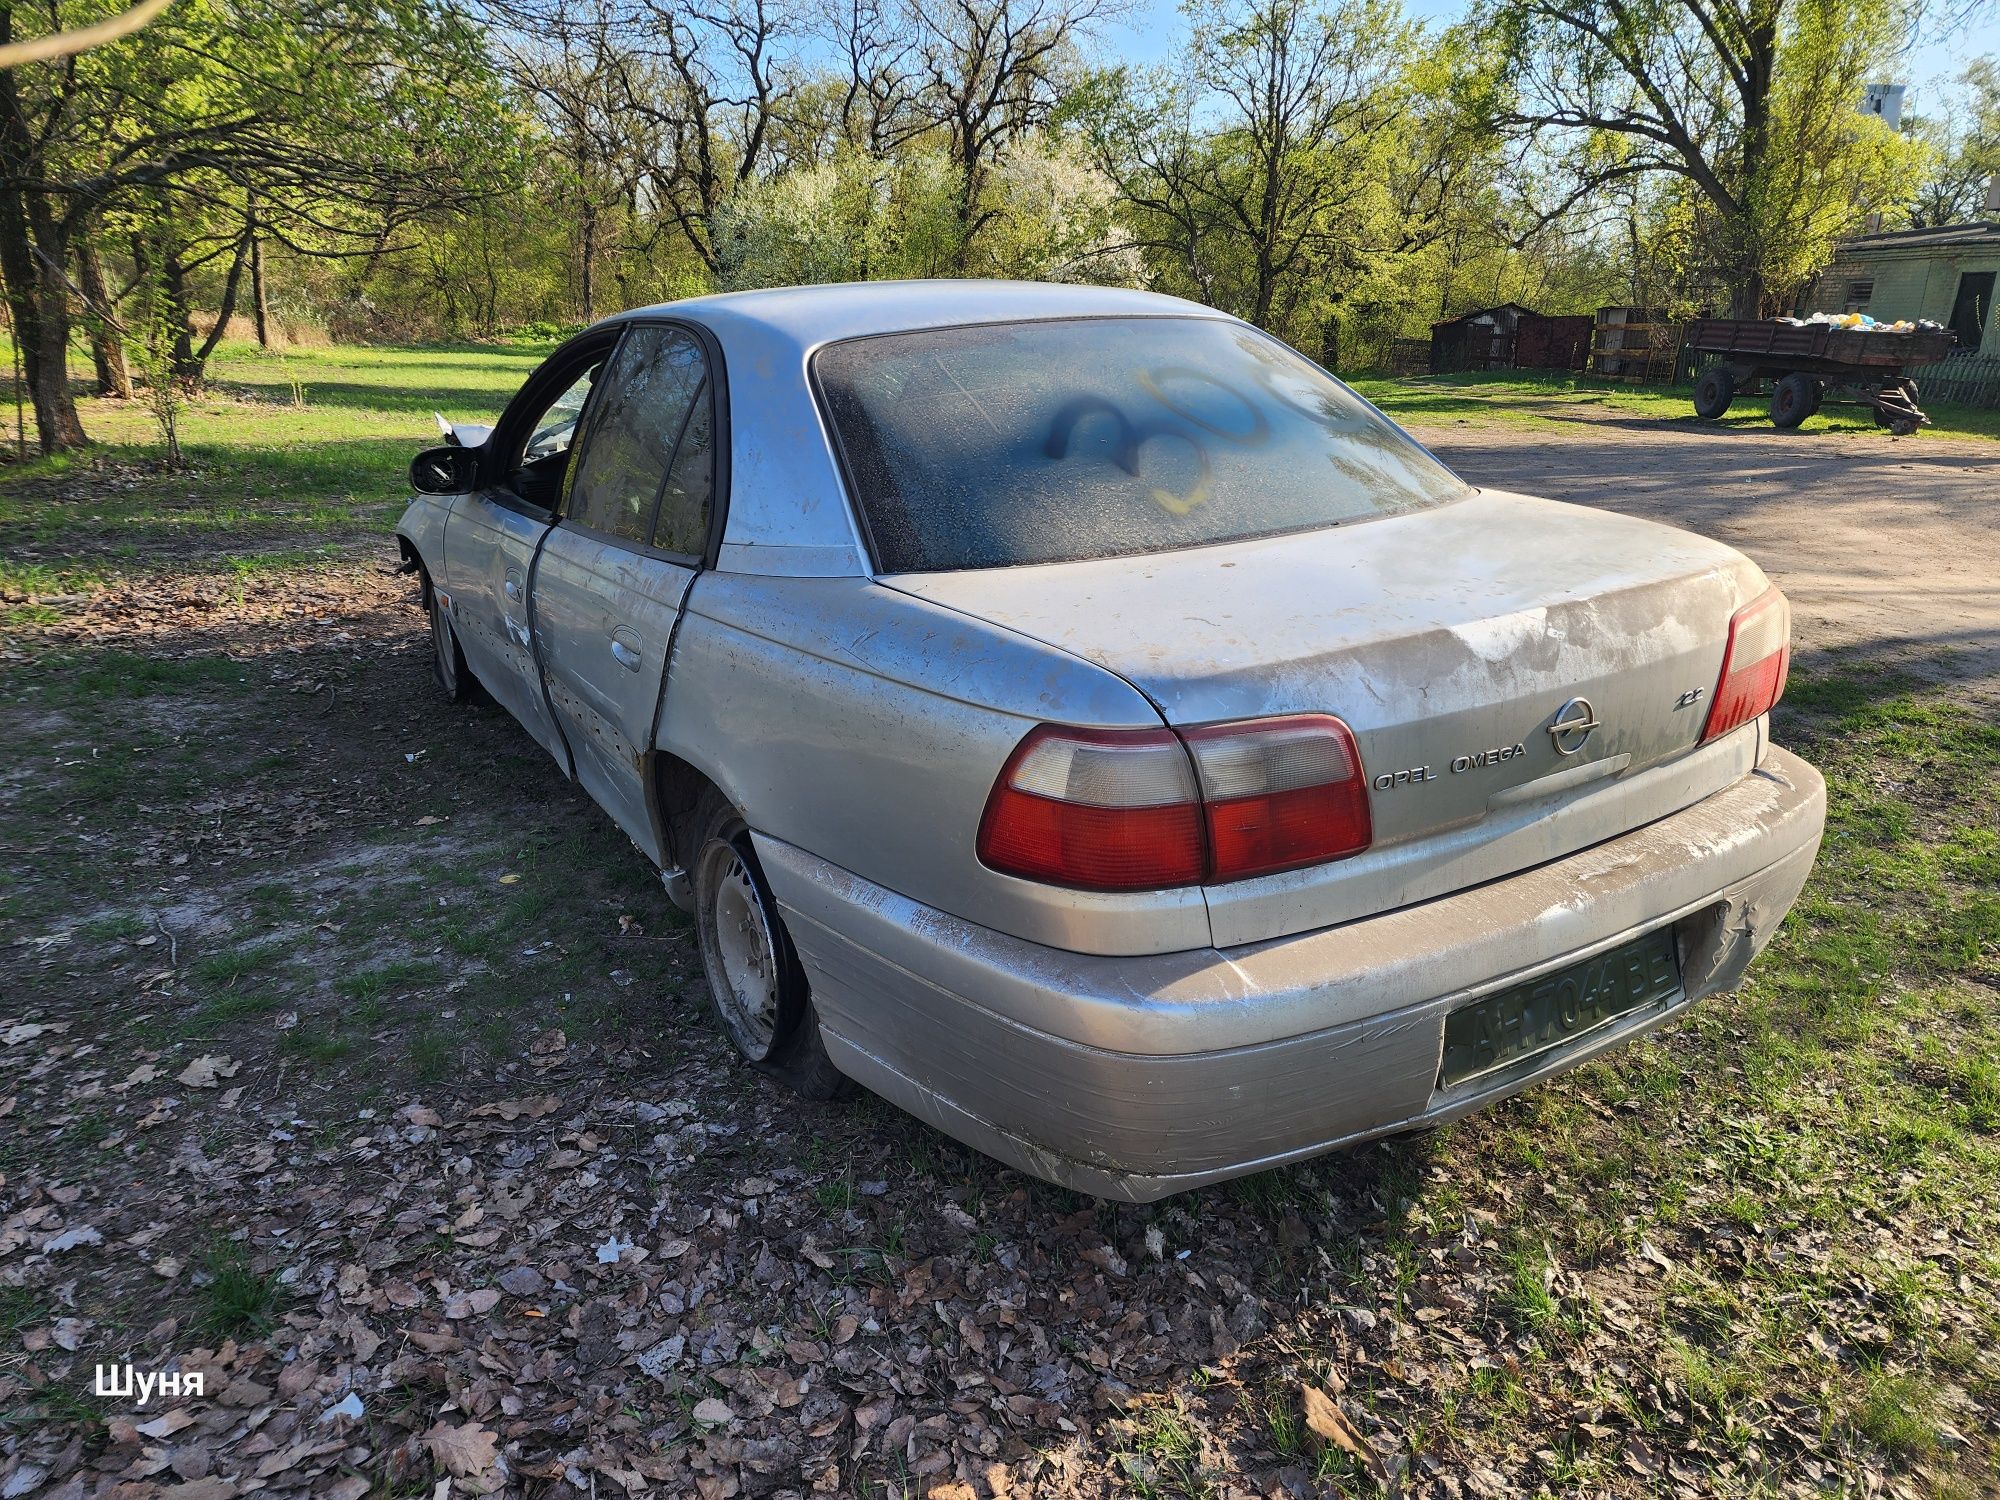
{"x":1135,"y":1077}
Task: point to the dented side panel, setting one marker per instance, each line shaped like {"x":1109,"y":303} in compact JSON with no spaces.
{"x":851,"y":720}
{"x":423,"y":525}
{"x":604,"y":621}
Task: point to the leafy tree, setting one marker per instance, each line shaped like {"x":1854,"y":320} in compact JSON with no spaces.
{"x":1292,"y":154}
{"x":1964,"y":141}
{"x":1748,"y":105}
{"x":324,"y":126}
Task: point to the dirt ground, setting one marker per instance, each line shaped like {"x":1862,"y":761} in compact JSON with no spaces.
{"x":351,"y":1059}
{"x":1889,"y":548}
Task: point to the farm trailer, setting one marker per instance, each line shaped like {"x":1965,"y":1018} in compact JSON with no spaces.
{"x":1806,"y":362}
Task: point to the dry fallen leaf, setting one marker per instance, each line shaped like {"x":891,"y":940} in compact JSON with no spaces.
{"x":472,"y":1304}
{"x":69,"y":1239}
{"x":26,"y":1031}
{"x":465,"y":1451}
{"x":1325,"y":1419}
{"x":167,"y":1423}
{"x":207,"y":1070}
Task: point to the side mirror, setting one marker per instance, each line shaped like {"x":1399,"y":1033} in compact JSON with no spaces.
{"x":444,"y":471}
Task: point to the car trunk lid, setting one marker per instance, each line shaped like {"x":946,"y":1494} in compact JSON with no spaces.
{"x":1522,"y":678}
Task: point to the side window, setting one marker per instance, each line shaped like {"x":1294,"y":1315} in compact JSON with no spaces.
{"x":644,"y":398}
{"x":555,"y":428}
{"x":541,"y":457}
{"x":684,"y":504}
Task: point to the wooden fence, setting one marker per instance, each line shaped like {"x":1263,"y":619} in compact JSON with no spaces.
{"x":1966,"y":378}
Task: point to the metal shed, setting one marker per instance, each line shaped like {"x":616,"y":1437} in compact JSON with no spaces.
{"x":1479,"y":340}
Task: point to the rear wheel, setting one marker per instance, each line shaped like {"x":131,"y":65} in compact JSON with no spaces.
{"x":1794,"y":400}
{"x":448,"y":667}
{"x":1713,"y":392}
{"x":755,"y":984}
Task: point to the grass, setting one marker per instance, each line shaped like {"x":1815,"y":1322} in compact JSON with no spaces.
{"x":1531,"y":396}
{"x":270,"y":484}
{"x":1165,"y":1458}
{"x":235,"y":1300}
{"x":1849,"y":1082}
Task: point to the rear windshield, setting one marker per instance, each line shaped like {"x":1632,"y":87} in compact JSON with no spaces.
{"x":1015,"y":443}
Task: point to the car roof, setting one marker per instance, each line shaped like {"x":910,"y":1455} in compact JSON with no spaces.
{"x":788,"y":511}
{"x":805,"y":316}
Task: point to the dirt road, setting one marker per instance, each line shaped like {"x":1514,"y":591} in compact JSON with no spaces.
{"x":1888,"y":547}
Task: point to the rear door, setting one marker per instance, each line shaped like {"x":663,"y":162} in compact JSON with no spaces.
{"x":613,"y":573}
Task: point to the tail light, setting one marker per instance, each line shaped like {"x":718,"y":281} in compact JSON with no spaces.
{"x":1107,"y":810}
{"x":1131,"y":810}
{"x":1280,"y":793}
{"x":1754,"y":664}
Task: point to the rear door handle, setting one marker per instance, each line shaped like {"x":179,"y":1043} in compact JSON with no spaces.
{"x":514,"y":590}
{"x":625,"y":656}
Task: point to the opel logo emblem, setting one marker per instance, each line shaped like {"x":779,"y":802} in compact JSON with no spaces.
{"x":1572,"y":726}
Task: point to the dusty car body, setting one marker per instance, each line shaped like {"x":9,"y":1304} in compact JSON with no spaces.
{"x":1079,"y":720}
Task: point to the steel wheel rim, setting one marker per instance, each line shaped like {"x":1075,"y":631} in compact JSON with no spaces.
{"x":743,"y":953}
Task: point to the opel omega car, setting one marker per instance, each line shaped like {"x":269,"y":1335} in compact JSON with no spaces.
{"x":1076,"y":717}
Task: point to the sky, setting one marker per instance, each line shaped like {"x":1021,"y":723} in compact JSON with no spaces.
{"x":1148,"y":33}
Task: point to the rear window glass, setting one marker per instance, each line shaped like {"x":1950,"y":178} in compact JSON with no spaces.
{"x":1016,"y":443}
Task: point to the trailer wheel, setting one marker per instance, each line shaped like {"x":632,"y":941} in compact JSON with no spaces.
{"x":1794,"y":399}
{"x":1898,"y":390}
{"x":1713,"y":392}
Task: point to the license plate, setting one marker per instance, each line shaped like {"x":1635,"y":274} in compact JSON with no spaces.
{"x":1541,"y":1015}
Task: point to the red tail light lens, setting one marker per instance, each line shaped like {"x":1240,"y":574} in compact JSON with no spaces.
{"x":1754,"y":664}
{"x":1132,"y":810}
{"x":1101,"y":809}
{"x":1279,"y":794}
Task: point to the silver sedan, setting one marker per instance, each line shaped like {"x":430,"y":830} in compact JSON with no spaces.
{"x":1081,"y":720}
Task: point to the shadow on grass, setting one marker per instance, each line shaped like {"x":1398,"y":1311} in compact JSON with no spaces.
{"x":464,"y":403}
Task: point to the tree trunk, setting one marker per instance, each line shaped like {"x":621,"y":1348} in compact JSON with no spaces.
{"x":181,"y":363}
{"x":35,"y":291}
{"x":199,"y":358}
{"x":588,"y":257}
{"x":107,"y":346}
{"x":260,"y":305}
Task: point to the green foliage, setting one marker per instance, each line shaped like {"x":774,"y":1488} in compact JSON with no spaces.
{"x":1729,"y":133}
{"x":1289,"y":160}
{"x":1963,"y":142}
{"x":1329,"y":169}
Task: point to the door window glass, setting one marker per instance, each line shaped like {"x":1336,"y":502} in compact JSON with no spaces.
{"x":536,"y":470}
{"x":643,"y":401}
{"x":556,"y":427}
{"x":683,"y":522}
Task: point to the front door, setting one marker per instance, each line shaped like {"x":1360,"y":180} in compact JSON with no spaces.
{"x":494,"y":540}
{"x":612,"y":575}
